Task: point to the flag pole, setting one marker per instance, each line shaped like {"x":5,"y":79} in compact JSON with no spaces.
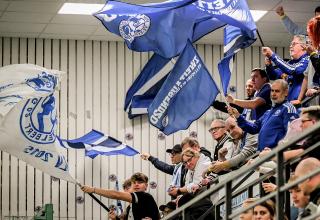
{"x":96,"y":199}
{"x":262,"y":44}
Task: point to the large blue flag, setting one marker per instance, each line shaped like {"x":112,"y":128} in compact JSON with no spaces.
{"x":234,"y":40}
{"x":146,"y":86}
{"x":186,"y":94}
{"x":96,"y":143}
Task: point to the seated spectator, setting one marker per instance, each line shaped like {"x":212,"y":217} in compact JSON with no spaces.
{"x":142,"y":204}
{"x":194,"y":144}
{"x":272,"y":126}
{"x":310,"y":186}
{"x":261,"y":102}
{"x":291,"y":27}
{"x":245,"y":142}
{"x":219,"y":133}
{"x":264,"y":211}
{"x":250,"y":90}
{"x":247,"y":215}
{"x":291,"y":71}
{"x":301,"y":201}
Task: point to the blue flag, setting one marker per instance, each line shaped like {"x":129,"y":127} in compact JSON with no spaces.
{"x":186,"y":94}
{"x":146,"y":86}
{"x":96,"y":143}
{"x":234,"y":40}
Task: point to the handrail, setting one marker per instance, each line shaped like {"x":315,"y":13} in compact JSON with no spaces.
{"x":309,"y":99}
{"x":240,"y":172}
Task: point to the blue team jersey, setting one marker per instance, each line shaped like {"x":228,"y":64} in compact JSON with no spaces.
{"x":293,"y":68}
{"x":263,"y":93}
{"x":272,"y":126}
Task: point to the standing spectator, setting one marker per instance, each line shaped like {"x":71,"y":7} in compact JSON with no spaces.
{"x":311,"y":81}
{"x":142,"y":204}
{"x":291,"y":71}
{"x":272,"y":126}
{"x":261,"y":102}
{"x":291,"y":27}
{"x":219,"y":133}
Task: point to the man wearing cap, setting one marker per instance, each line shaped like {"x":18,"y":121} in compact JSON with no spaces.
{"x":177,"y":169}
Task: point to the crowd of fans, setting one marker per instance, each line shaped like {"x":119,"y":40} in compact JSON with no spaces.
{"x":270,"y":115}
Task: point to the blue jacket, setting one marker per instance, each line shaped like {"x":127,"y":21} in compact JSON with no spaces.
{"x":295,"y":70}
{"x":272,"y":126}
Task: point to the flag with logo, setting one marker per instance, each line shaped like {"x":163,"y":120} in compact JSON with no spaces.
{"x":186,"y":94}
{"x":28,"y":116}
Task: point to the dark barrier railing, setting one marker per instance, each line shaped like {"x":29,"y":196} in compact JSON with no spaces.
{"x":280,"y":176}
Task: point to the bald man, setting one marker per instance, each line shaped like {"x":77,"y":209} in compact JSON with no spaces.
{"x":310,"y":186}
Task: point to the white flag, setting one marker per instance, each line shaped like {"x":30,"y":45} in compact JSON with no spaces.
{"x":28,"y":119}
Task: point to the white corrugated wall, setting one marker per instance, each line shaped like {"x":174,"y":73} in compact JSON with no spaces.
{"x":91,"y":97}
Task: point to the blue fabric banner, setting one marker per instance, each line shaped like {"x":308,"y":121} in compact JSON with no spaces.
{"x":186,"y":94}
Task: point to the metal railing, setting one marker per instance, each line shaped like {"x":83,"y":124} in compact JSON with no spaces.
{"x":282,"y":187}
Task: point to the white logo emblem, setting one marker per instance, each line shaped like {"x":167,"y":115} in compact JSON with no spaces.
{"x":216,"y":6}
{"x":44,"y":82}
{"x":165,"y":121}
{"x":135,"y":26}
{"x":38,"y":120}
{"x":277,"y":112}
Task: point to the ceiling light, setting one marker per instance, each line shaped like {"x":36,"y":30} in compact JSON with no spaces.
{"x":80,"y":8}
{"x":257,"y":14}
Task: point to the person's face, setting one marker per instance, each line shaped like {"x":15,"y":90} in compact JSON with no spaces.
{"x":261,"y":213}
{"x":257,"y":80}
{"x":247,"y":215}
{"x":175,"y":157}
{"x":296,"y":49}
{"x":250,"y":88}
{"x":317,"y":13}
{"x":189,"y":161}
{"x":278,"y":94}
{"x":234,"y":130}
{"x":139,"y":186}
{"x":299,"y":199}
{"x":217,"y":130}
{"x":306,"y":122}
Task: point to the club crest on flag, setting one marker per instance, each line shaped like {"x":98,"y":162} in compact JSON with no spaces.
{"x":38,"y":120}
{"x":134,"y":26}
{"x":45,"y":82}
{"x":216,"y":6}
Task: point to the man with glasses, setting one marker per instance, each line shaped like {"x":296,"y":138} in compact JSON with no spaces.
{"x":293,"y":70}
{"x":177,"y":169}
{"x":219,"y":133}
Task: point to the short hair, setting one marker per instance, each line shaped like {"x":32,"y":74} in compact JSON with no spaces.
{"x":190,"y":153}
{"x":190,"y":141}
{"x":139,"y":177}
{"x":283,"y":83}
{"x":126,"y":184}
{"x":312,"y":111}
{"x":249,"y":201}
{"x":262,"y":73}
{"x":221,"y":121}
{"x":317,"y":9}
{"x":292,"y":179}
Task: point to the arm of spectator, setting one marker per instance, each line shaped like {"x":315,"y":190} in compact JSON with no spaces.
{"x":315,"y":60}
{"x":222,"y":154}
{"x":250,"y":104}
{"x":248,"y":150}
{"x":292,"y":154}
{"x":291,"y":27}
{"x":250,"y":127}
{"x":162,"y":166}
{"x":227,"y":153}
{"x":303,"y":90}
{"x":221,"y":106}
{"x":273,"y":73}
{"x":290,"y":69}
{"x":111,"y":194}
{"x":219,"y":166}
{"x":269,"y":187}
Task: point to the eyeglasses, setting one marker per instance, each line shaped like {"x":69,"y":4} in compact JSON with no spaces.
{"x":305,"y":120}
{"x":294,"y":44}
{"x":214,"y":129}
{"x":187,"y":161}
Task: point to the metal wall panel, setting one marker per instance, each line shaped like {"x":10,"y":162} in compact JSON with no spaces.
{"x":92,"y":93}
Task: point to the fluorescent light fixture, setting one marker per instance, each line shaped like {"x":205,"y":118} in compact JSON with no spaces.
{"x":80,"y":8}
{"x":89,"y":9}
{"x":257,"y":14}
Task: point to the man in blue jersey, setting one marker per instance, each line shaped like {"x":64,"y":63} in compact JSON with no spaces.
{"x":260,"y":103}
{"x":272,"y":126}
{"x":291,"y":71}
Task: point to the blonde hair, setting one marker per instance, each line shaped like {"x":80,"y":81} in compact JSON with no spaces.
{"x":190,"y":153}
